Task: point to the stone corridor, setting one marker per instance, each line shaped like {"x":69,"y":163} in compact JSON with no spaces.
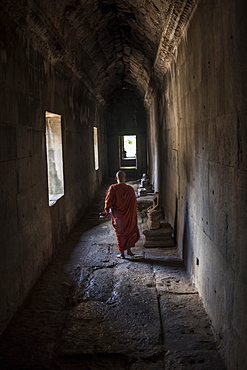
{"x":91,"y":310}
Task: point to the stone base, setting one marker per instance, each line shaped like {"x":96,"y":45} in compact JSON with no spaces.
{"x":146,"y":201}
{"x":158,"y":238}
{"x":158,"y":244}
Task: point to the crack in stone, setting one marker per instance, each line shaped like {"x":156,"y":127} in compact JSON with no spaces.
{"x":179,"y":293}
{"x":159,"y":309}
{"x":95,"y":268}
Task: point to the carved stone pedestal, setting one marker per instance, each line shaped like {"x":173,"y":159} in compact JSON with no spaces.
{"x":158,"y":238}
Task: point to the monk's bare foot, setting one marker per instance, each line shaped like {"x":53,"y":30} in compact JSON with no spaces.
{"x":120,"y":256}
{"x":130,"y":253}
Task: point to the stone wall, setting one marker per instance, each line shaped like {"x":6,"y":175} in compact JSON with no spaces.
{"x":202,"y":118}
{"x":31,"y":231}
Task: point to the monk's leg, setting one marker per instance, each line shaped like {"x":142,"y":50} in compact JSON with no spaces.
{"x":129,"y":252}
{"x":121,"y":255}
{"x":120,"y":245}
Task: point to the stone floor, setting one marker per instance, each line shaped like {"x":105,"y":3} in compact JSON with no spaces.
{"x":91,"y":310}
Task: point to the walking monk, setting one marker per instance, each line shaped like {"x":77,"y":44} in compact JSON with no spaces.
{"x":121,"y":200}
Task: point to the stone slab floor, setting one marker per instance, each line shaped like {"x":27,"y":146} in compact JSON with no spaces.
{"x":91,"y":310}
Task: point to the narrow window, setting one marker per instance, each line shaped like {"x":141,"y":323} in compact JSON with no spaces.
{"x":54,"y":151}
{"x":96,"y":148}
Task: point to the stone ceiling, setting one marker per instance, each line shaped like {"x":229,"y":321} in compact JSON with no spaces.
{"x":109,"y":44}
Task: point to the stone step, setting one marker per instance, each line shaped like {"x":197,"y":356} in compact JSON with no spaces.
{"x":159,"y":243}
{"x":158,"y":238}
{"x":165,"y":229}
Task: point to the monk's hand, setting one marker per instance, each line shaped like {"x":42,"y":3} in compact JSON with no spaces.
{"x":105,"y":215}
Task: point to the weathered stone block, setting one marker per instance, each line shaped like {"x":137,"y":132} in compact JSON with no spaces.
{"x":242,"y":131}
{"x":226,"y":139}
{"x":164,"y":230}
{"x":159,"y":243}
{"x":24,"y":142}
{"x":11,"y":255}
{"x":25,"y":206}
{"x":24,"y":170}
{"x":8,"y":141}
{"x":8,"y":204}
{"x":38,"y":142}
{"x":8,"y":112}
{"x":161,"y":237}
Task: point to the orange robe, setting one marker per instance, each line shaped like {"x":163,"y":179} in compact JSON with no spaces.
{"x":121,"y":199}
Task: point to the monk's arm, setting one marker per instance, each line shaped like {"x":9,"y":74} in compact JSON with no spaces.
{"x":108,"y":201}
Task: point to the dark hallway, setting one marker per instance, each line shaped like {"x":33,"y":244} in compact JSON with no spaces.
{"x":91,"y":310}
{"x":88,"y":87}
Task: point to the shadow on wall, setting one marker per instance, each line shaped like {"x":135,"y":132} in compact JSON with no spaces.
{"x":182,"y":232}
{"x":187,"y":242}
{"x":176,"y":221}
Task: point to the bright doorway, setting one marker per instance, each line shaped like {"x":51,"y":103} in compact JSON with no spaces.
{"x":127,"y":151}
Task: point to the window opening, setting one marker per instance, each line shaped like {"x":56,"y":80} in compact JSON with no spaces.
{"x":129,"y":146}
{"x":54,"y":155}
{"x":128,"y":158}
{"x":96,"y":148}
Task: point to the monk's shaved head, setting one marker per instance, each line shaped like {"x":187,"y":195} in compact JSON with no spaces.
{"x":121,"y":176}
